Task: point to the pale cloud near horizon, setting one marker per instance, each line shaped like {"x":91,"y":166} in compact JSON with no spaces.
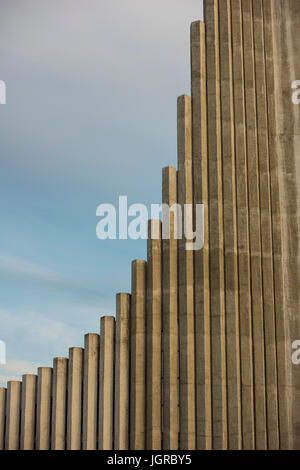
{"x":14,"y":369}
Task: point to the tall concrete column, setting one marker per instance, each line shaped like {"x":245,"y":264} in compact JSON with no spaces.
{"x":28,"y":412}
{"x":154,"y":338}
{"x":106,"y":384}
{"x":216,"y":227}
{"x":285,"y":431}
{"x":255,"y":228}
{"x":170,"y":316}
{"x":201,"y":257}
{"x":244,"y":287}
{"x":230,"y":229}
{"x":138,"y":356}
{"x":186,"y":281}
{"x":13,"y":415}
{"x":266,"y":226}
{"x":59,"y":403}
{"x":2,"y":417}
{"x":75,"y":390}
{"x":43,"y":411}
{"x":286,"y":20}
{"x":122,"y":358}
{"x":90,"y":392}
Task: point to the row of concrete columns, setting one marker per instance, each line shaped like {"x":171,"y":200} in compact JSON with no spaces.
{"x":196,"y":357}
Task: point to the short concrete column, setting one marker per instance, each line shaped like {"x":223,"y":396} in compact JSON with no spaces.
{"x":43,"y":412}
{"x":75,"y":384}
{"x":90,"y":391}
{"x":154,"y":338}
{"x":2,"y":417}
{"x":13,"y":415}
{"x":59,"y":403}
{"x":121,"y":431}
{"x":28,"y":412}
{"x":138,"y":356}
{"x":106,"y":383}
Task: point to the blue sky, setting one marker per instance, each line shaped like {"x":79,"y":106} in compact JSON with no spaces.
{"x":90,"y":115}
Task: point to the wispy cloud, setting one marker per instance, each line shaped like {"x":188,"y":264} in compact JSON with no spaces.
{"x":27,"y":272}
{"x":14,"y":369}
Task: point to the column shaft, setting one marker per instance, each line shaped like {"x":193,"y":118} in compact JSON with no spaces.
{"x":186,"y":280}
{"x":216,"y":228}
{"x":43,"y":411}
{"x":122,"y":356}
{"x":244,"y":286}
{"x":2,"y":417}
{"x":201,"y":257}
{"x":90,"y":392}
{"x":254,"y":226}
{"x":154,"y":338}
{"x":230,"y":229}
{"x":13,"y":414}
{"x":266,"y":227}
{"x":285,"y":431}
{"x":138,"y":356}
{"x":28,"y":412}
{"x":170,"y":315}
{"x":59,"y":403}
{"x":106,"y":385}
{"x":75,"y":384}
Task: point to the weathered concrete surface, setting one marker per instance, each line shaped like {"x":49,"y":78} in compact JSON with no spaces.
{"x":59,"y":403}
{"x":90,"y":391}
{"x":186,"y":280}
{"x":170,"y":316}
{"x":216,"y":227}
{"x":43,"y":408}
{"x":28,"y":412}
{"x":2,"y":417}
{"x":13,"y":415}
{"x":243,"y":241}
{"x":138,"y":356}
{"x":106,"y":383}
{"x":154,"y":337}
{"x":75,"y":389}
{"x":286,"y":17}
{"x":201,"y":257}
{"x":122,"y":358}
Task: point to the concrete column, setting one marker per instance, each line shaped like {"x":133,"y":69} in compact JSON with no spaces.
{"x":201,"y":257}
{"x":75,"y":390}
{"x":216,"y":228}
{"x":244,"y":287}
{"x":43,"y":411}
{"x":90,"y":392}
{"x":106,"y":385}
{"x":230,"y":229}
{"x":122,"y":357}
{"x":285,"y":431}
{"x":28,"y":412}
{"x":13,"y":415}
{"x":59,"y":403}
{"x":138,"y":356}
{"x":266,"y":226}
{"x":286,"y":19}
{"x":2,"y":417}
{"x":186,"y":281}
{"x":170,"y":317}
{"x":154,"y":338}
{"x":254,"y":226}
